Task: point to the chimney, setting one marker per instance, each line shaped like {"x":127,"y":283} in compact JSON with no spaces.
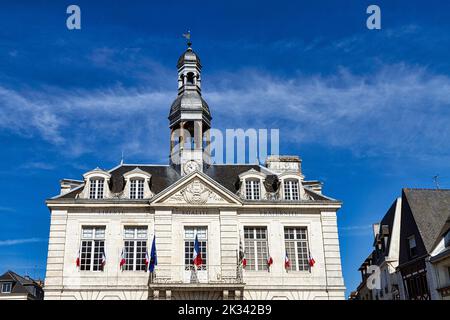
{"x":376,"y":229}
{"x":281,"y":164}
{"x":68,"y":185}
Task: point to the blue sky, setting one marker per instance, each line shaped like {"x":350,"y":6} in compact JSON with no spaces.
{"x":367,"y":111}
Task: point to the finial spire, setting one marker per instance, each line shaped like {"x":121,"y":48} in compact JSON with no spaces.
{"x":187,"y":36}
{"x":121,"y":159}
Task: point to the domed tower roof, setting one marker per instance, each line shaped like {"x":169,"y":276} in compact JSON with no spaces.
{"x":189,"y":104}
{"x":190,"y":57}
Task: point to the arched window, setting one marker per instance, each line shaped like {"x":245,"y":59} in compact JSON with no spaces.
{"x":137,"y":189}
{"x":252,"y":189}
{"x":190,"y":78}
{"x":291,"y":189}
{"x":96,"y":188}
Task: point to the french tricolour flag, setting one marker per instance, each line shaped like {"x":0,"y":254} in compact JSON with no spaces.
{"x":287,"y":262}
{"x":78,"y":259}
{"x":269,"y":261}
{"x":197,"y":256}
{"x":122,"y":258}
{"x":311,"y":260}
{"x":103,"y":259}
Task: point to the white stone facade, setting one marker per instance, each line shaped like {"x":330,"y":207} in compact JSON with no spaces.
{"x":223,"y":215}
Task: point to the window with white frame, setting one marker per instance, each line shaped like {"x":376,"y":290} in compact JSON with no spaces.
{"x":256,"y":248}
{"x":96,"y":188}
{"x":135,"y":247}
{"x":291,"y":189}
{"x":296,"y":243}
{"x":189,"y":240}
{"x":92,"y":248}
{"x":137,"y":189}
{"x":252,"y":189}
{"x":412,"y":246}
{"x":6,"y":287}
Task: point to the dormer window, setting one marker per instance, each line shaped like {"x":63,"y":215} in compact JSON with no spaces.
{"x":412,"y":246}
{"x":6,"y":287}
{"x":96,"y":188}
{"x":137,"y":189}
{"x":291,"y":189}
{"x":252,"y":189}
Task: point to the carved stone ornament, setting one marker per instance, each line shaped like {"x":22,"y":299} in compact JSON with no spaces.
{"x":196,"y":193}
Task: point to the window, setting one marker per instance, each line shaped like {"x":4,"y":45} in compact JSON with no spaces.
{"x":291,"y":189}
{"x":447,"y":239}
{"x":96,"y":188}
{"x":417,"y":286}
{"x":296,"y":242}
{"x":256,"y":248}
{"x":6,"y":287}
{"x":135,"y":247}
{"x":189,"y":239}
{"x":252,"y":191}
{"x":137,"y":189}
{"x":412,"y":246}
{"x":92,"y":248}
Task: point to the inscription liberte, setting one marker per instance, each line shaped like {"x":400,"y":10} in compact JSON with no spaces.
{"x":262,"y":212}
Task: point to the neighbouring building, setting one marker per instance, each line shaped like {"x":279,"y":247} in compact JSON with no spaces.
{"x":385,"y":256}
{"x":420,"y":269}
{"x":102,"y":227}
{"x":15,"y":287}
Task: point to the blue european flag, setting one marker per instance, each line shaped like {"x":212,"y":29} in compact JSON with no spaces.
{"x":153,"y":256}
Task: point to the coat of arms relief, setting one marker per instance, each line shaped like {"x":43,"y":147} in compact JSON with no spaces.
{"x":196,"y":193}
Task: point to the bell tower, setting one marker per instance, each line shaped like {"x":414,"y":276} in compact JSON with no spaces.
{"x":190,"y":118}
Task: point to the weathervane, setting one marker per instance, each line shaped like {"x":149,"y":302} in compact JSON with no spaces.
{"x":187,"y":36}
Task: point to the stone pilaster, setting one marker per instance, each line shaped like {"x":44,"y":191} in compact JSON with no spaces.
{"x":55,"y":257}
{"x":229,"y":242}
{"x":332,"y":255}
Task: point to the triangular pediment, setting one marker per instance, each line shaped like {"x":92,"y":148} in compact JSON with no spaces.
{"x":196,"y":189}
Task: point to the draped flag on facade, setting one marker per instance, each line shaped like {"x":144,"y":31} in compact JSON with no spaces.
{"x":269,"y":261}
{"x":147,"y":260}
{"x":153,"y":256}
{"x":122,"y":258}
{"x":197,"y":255}
{"x":103,"y":259}
{"x":287,"y":262}
{"x":78,"y":259}
{"x":311,"y":260}
{"x":242,"y":259}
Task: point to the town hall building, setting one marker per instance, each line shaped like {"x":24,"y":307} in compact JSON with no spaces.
{"x":262,"y":231}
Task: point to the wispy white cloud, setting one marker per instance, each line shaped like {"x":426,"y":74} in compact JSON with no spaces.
{"x":6,"y":209}
{"x":355,"y":230}
{"x":38,"y":165}
{"x":13,"y":242}
{"x":399,"y":110}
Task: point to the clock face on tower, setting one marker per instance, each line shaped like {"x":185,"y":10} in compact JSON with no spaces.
{"x":191,"y":166}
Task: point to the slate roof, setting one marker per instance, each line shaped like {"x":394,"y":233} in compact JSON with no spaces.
{"x":163,"y":176}
{"x":425,"y":214}
{"x":188,"y":56}
{"x":189,"y":101}
{"x":431,"y":211}
{"x":386,"y":226}
{"x":21,"y":285}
